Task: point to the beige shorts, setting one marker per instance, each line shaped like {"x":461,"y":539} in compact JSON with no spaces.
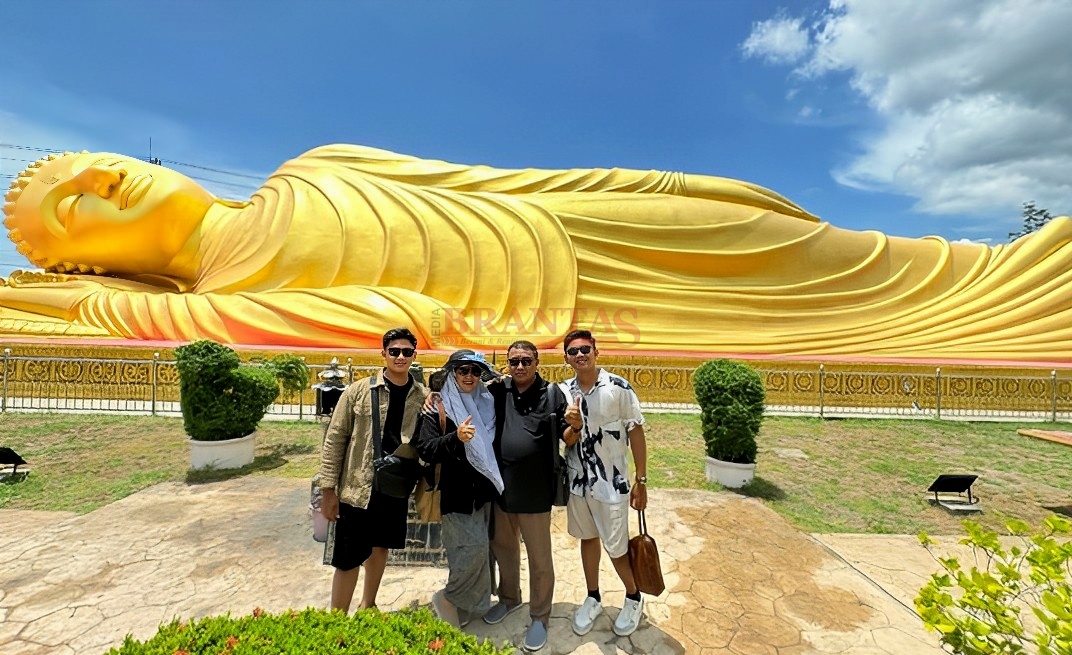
{"x":587,"y":518}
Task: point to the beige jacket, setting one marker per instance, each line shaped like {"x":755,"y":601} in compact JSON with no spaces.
{"x":347,"y":454}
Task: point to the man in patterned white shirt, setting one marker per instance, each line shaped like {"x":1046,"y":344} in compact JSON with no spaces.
{"x":605,"y":423}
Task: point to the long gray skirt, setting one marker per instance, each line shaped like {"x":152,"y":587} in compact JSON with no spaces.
{"x":465,"y":539}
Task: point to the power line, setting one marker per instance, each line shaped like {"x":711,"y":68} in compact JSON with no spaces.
{"x":214,"y":170}
{"x":238,"y":185}
{"x":152,"y":160}
{"x":33,"y":148}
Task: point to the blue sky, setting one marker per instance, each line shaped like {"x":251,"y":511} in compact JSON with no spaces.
{"x":906,"y":117}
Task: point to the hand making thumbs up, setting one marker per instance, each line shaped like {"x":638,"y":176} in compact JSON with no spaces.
{"x":466,"y":430}
{"x":573,"y":414}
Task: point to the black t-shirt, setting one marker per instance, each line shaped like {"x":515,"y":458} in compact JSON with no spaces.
{"x":396,"y":408}
{"x":462,"y":487}
{"x":525,"y":443}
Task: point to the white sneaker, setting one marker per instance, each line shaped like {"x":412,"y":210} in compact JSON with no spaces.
{"x":629,"y":618}
{"x":585,"y":616}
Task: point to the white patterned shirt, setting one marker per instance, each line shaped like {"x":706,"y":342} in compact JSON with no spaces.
{"x":599,"y":461}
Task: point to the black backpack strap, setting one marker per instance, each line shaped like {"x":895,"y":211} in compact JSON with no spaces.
{"x":376,"y":444}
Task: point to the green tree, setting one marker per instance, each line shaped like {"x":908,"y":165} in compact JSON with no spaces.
{"x":1034,"y":219}
{"x":979,"y":610}
{"x":290,"y":370}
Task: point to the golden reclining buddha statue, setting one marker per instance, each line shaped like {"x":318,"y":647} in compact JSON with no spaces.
{"x":344,"y":242}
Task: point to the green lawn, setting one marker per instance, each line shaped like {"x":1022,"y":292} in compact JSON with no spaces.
{"x":870,"y":475}
{"x":81,"y":462}
{"x":824,"y":476}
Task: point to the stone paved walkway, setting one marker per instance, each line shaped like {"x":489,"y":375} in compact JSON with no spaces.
{"x":739,"y":578}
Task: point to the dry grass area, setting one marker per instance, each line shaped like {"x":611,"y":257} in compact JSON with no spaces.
{"x":824,"y":476}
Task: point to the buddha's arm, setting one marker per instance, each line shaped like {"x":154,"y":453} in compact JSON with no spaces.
{"x":43,"y":304}
{"x":344,"y":316}
{"x":459,"y":177}
{"x":349,"y":316}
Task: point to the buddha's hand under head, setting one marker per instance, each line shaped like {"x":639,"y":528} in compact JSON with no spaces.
{"x":47,"y":294}
{"x":22,"y":278}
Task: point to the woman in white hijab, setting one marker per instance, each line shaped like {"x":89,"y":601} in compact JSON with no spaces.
{"x":457,"y":434}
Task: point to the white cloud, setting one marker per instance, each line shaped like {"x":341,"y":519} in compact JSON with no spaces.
{"x":974,"y":98}
{"x":779,"y":40}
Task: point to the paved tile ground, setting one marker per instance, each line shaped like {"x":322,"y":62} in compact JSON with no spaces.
{"x":739,"y":578}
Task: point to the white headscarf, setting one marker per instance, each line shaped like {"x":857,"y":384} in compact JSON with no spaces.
{"x":479,"y":405}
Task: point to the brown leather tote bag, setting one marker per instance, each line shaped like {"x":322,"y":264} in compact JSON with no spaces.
{"x":644,"y":558}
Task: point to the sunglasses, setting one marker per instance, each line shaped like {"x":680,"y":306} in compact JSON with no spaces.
{"x":468,"y":370}
{"x":521,"y":361}
{"x":405,"y":352}
{"x":572,"y":352}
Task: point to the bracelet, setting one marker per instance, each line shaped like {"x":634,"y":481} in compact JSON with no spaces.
{"x":642,"y":480}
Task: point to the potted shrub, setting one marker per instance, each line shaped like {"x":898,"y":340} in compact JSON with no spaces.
{"x":731,"y":398}
{"x":222,"y":402}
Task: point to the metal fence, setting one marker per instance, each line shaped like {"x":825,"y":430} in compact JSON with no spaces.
{"x":151,"y":386}
{"x":982,"y":395}
{"x":125,"y":386}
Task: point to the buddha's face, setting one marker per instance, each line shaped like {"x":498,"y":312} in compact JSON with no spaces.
{"x":108,"y":210}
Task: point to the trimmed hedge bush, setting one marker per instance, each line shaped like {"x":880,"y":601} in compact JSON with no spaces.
{"x":219,"y":399}
{"x":313,"y":632}
{"x":732,"y":399}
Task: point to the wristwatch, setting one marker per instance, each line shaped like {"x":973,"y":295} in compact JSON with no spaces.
{"x":642,"y":479}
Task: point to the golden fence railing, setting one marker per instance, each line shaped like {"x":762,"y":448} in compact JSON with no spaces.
{"x":151,"y":386}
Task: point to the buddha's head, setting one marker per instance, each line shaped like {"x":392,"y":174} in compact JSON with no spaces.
{"x":96,"y":212}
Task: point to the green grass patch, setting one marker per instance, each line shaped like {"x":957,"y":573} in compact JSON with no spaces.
{"x":870,"y":475}
{"x":80,"y":462}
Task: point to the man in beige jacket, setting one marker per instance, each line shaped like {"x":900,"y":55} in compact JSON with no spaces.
{"x":368,"y":522}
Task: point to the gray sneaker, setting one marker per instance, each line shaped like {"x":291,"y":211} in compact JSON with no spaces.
{"x":536,"y":637}
{"x":498,"y":612}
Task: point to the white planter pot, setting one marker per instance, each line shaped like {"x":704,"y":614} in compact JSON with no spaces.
{"x":729,"y":474}
{"x":226,"y":454}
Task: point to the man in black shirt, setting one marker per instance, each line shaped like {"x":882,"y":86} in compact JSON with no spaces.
{"x":529,"y":417}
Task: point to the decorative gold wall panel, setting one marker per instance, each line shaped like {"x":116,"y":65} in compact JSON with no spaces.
{"x":70,"y":376}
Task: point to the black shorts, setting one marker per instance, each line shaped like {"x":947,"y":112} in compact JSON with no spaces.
{"x":358,"y":531}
